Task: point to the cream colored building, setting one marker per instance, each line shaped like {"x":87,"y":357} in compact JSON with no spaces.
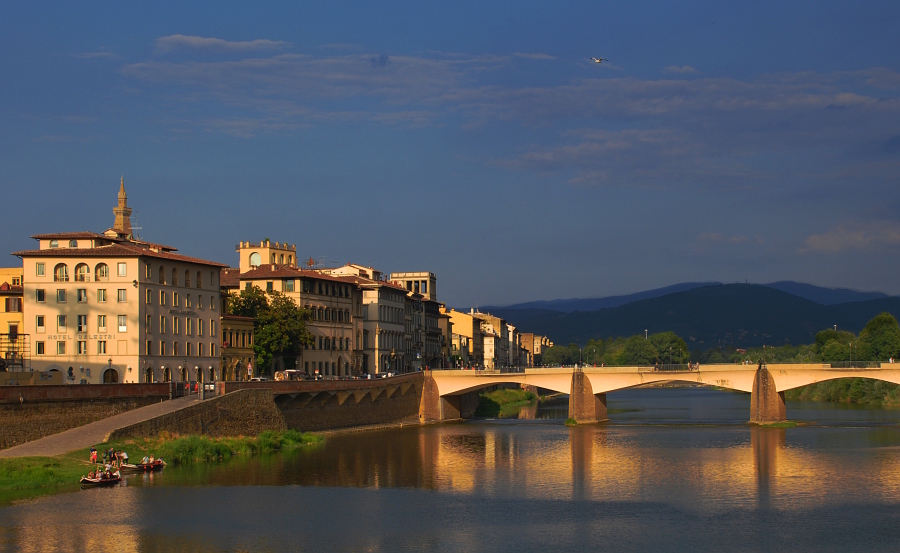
{"x":111,"y":308}
{"x":468,"y":339}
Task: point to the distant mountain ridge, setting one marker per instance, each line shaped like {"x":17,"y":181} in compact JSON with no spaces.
{"x":739,"y":315}
{"x":817,"y":294}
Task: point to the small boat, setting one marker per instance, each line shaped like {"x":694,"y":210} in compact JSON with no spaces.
{"x":96,"y":482}
{"x":143,"y":467}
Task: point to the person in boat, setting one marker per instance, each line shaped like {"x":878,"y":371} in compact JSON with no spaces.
{"x":151,"y":459}
{"x":145,"y":460}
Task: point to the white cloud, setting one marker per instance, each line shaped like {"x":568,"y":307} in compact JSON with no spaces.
{"x":534,"y":56}
{"x":181,"y":42}
{"x":684,"y":69}
{"x":850,"y":236}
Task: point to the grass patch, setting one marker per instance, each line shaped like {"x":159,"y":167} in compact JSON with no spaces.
{"x":30,"y":476}
{"x":504,"y":402}
{"x":571,"y":422}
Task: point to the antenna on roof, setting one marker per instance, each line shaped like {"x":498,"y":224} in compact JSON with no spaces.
{"x":134,"y":234}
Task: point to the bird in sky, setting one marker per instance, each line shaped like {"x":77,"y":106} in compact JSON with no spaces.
{"x":598,"y":60}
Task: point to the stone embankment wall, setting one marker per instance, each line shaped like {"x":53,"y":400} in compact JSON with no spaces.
{"x":241,"y":413}
{"x":28,"y":413}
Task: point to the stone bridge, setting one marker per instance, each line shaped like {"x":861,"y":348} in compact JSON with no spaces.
{"x":587,"y":387}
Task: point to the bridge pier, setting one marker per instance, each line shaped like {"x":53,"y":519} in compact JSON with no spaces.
{"x":584,"y":405}
{"x":766,"y":402}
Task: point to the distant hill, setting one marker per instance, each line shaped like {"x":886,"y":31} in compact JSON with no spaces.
{"x":593,"y":304}
{"x":824,"y":296}
{"x":817,"y":294}
{"x":741,"y":315}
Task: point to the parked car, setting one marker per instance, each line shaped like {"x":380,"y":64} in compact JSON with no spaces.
{"x":259,"y":379}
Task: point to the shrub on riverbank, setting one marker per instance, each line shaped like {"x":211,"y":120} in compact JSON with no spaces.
{"x":849,"y":390}
{"x":504,"y":402}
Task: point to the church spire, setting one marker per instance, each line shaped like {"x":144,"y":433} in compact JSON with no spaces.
{"x":122,"y":212}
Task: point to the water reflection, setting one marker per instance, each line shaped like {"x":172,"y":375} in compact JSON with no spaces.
{"x":361,"y":490}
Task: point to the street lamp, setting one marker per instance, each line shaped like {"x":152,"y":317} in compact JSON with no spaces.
{"x":851,"y":355}
{"x":645,"y":334}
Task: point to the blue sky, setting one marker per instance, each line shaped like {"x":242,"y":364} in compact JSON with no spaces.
{"x":721,"y":141}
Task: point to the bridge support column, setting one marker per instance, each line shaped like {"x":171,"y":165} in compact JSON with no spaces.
{"x":584,"y":405}
{"x":766,"y":402}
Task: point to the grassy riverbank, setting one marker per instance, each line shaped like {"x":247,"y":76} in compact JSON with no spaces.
{"x":23,"y":476}
{"x":850,"y":390}
{"x":504,"y":402}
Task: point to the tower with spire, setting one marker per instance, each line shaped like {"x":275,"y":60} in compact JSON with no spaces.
{"x":122,"y":212}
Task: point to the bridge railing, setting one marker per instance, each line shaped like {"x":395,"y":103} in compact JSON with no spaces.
{"x":856,"y":365}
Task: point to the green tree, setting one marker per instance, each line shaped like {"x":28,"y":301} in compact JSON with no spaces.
{"x":880,"y":339}
{"x":639,"y":351}
{"x":249,"y":303}
{"x":669,"y":343}
{"x":281,"y":329}
{"x":557,"y":356}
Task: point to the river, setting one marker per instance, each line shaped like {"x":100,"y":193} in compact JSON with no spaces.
{"x":675,"y":470}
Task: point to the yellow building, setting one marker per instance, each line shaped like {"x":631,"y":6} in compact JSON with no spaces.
{"x":111,"y":308}
{"x":11,"y":300}
{"x":468,"y":338}
{"x":238,"y":357}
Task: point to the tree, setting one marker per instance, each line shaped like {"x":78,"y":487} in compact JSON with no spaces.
{"x":880,"y":339}
{"x":558,"y":355}
{"x":639,"y":351}
{"x":666,"y":342}
{"x":279,"y":323}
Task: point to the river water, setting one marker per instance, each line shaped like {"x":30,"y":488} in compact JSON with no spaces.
{"x":675,"y":470}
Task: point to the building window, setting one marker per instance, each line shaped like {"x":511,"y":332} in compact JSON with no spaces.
{"x":174,"y":281}
{"x":162,"y":297}
{"x":162,"y":348}
{"x":81,"y":321}
{"x":123,"y":323}
{"x":60,"y":348}
{"x":288,"y":285}
{"x":212,"y":303}
{"x":101,"y":323}
{"x":212,"y":327}
{"x":189,"y":349}
{"x":39,"y":348}
{"x":148,"y":271}
{"x":189,"y":326}
{"x":82,"y":273}
{"x":101,"y":272}
{"x":121,"y":269}
{"x":187,"y":278}
{"x":148,"y":296}
{"x":148,"y":323}
{"x":101,"y":347}
{"x":187,"y":301}
{"x":120,"y":295}
{"x":212,"y":350}
{"x":175,"y":299}
{"x":40,"y":323}
{"x":81,"y":347}
{"x":40,"y":295}
{"x":199,"y":302}
{"x":13,"y":305}
{"x":175,"y":326}
{"x":81,"y":295}
{"x":148,"y":350}
{"x":54,"y":243}
{"x":269,"y":287}
{"x":101,"y":295}
{"x":199,"y":327}
{"x":198,"y":279}
{"x":162,"y":275}
{"x":162,"y":324}
{"x":73,"y":243}
{"x":39,"y":269}
{"x":175,"y":348}
{"x":61,"y":323}
{"x":60,"y":296}
{"x":201,"y":349}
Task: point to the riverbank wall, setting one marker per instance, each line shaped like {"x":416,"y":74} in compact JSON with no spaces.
{"x":29,"y":413}
{"x":241,"y":413}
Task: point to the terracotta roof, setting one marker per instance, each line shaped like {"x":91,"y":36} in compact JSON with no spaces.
{"x":269,"y":271}
{"x":115,"y":250}
{"x":9,"y":290}
{"x":69,"y":235}
{"x":230,"y":277}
